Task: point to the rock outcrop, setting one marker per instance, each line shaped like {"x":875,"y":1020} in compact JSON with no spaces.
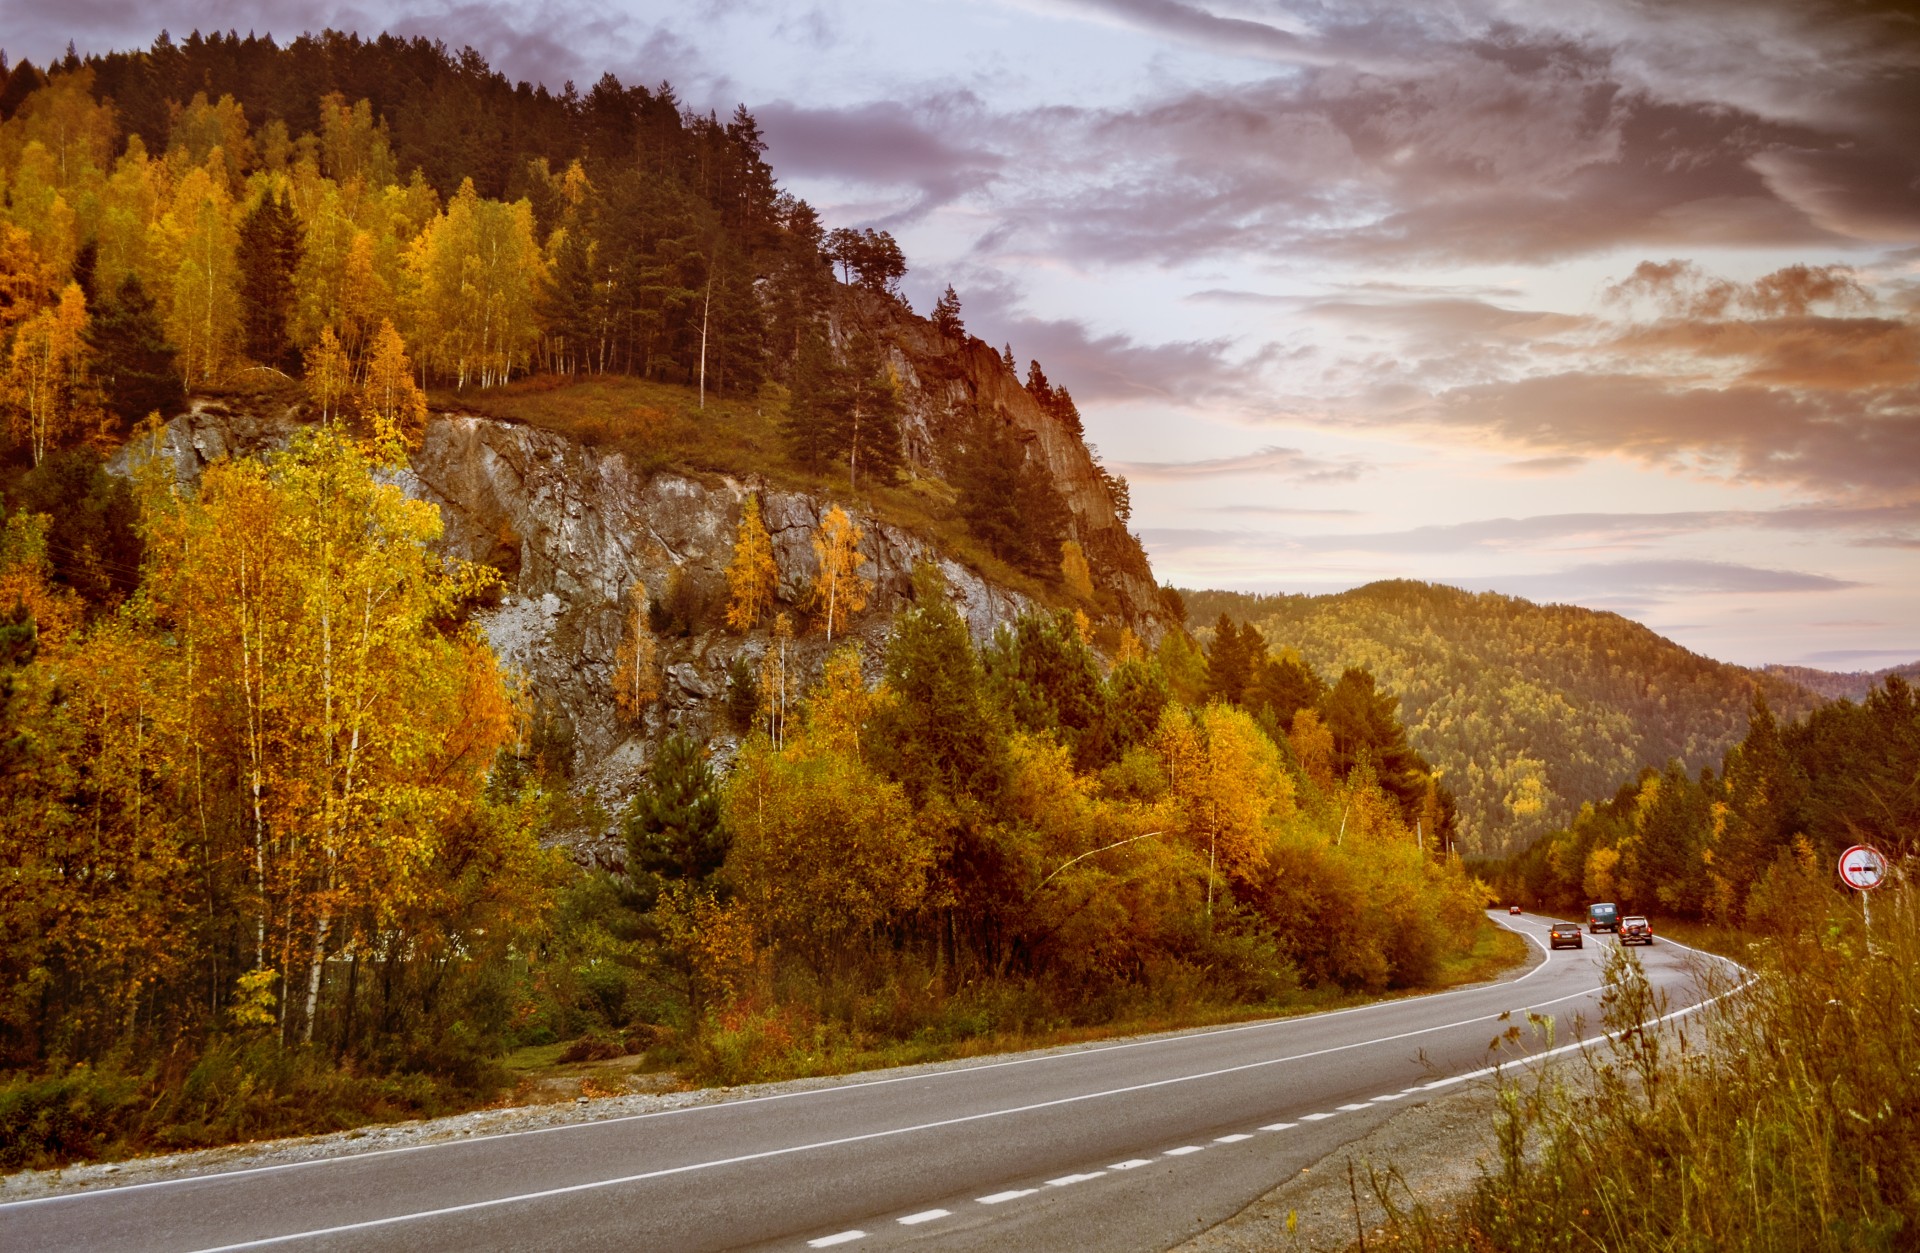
{"x":574,"y":529}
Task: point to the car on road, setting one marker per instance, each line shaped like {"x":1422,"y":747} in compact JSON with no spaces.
{"x":1635,"y":930}
{"x":1561,"y":934}
{"x":1603,"y":916}
{"x":1513,"y":909}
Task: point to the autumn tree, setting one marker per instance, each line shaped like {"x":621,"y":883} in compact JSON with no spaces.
{"x":390,"y":401}
{"x":47,"y":374}
{"x":636,"y":669}
{"x":197,"y":254}
{"x":1074,"y":573}
{"x":839,"y":589}
{"x":752,"y":575}
{"x":329,"y":376}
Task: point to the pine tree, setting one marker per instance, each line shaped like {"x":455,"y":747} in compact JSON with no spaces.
{"x":133,"y":364}
{"x":673,"y":825}
{"x":815,"y":403}
{"x":946,"y":315}
{"x":268,"y":253}
{"x":868,"y":425}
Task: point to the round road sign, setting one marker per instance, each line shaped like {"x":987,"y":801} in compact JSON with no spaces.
{"x":1863,"y":868}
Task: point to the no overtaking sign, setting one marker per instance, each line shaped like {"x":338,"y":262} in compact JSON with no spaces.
{"x":1863,"y":868}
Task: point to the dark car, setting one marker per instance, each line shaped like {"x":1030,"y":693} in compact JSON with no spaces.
{"x":1561,"y":934}
{"x":1603,"y":916}
{"x":1635,"y":930}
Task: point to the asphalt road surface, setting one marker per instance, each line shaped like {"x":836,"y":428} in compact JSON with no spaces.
{"x":1136,"y":1145}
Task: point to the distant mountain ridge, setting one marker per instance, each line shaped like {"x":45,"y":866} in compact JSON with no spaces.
{"x":1528,"y":710}
{"x":1850,"y":685}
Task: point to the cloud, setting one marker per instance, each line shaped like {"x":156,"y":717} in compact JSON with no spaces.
{"x":1290,"y":464}
{"x":1545,"y":465}
{"x":885,"y":144}
{"x":1656,"y":581}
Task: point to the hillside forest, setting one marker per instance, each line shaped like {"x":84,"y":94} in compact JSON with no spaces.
{"x":1525,"y":710}
{"x":276,"y":821}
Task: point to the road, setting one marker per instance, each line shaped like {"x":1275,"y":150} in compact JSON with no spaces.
{"x":1138,"y":1144}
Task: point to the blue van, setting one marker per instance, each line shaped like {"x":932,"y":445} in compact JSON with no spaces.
{"x":1602,"y":917}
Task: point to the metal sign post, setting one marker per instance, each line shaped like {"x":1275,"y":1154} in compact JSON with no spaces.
{"x":1864,"y":868}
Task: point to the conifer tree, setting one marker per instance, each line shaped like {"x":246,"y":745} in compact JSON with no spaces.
{"x":133,"y":364}
{"x":946,"y":315}
{"x":268,"y":252}
{"x":673,"y":825}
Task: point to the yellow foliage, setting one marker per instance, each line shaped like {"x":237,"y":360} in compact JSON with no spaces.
{"x":636,"y":670}
{"x":839,"y":589}
{"x":1074,"y":572}
{"x":1313,"y":746}
{"x":391,"y":401}
{"x":752,"y":576}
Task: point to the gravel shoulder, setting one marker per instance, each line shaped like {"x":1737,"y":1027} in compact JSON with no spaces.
{"x":1434,"y":1149}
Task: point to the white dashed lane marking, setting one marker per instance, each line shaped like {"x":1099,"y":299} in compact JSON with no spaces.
{"x":844,"y":1237}
{"x":1315,"y":1117}
{"x":1130,"y":1164}
{"x":1394,"y":1097}
{"x":1279,"y":1126}
{"x":1068,"y":1180}
{"x":1348,"y":1109}
{"x":925,"y":1216}
{"x":1232,"y":1139}
{"x":1012,"y":1195}
{"x":1184,"y":1149}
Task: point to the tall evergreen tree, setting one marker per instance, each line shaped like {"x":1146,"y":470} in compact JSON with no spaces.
{"x":1008,"y":498}
{"x":946,"y":314}
{"x":268,"y":252}
{"x":673,"y":826}
{"x":133,"y":364}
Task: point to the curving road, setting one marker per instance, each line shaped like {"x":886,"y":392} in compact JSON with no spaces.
{"x":1132,"y":1145}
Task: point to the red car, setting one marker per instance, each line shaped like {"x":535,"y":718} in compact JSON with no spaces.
{"x":1513,"y":909}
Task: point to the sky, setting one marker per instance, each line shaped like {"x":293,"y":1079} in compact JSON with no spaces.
{"x":1602,"y":302}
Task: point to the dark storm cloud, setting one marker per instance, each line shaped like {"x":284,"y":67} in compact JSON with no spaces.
{"x":1462,"y":135}
{"x":885,"y":144}
{"x":1100,"y":365}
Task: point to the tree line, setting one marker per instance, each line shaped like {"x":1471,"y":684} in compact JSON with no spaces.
{"x":1753,"y":840}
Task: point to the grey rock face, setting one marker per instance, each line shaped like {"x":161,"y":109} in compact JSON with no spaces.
{"x":574,"y":532}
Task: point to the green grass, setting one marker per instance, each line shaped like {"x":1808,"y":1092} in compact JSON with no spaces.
{"x":661,"y":426}
{"x":1785,"y":1117}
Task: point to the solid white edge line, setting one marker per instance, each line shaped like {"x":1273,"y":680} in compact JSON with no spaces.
{"x":1066,"y":1054}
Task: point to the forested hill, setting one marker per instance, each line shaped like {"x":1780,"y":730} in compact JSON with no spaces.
{"x":1853,"y":685}
{"x":1527,"y":709}
{"x":203,"y":216}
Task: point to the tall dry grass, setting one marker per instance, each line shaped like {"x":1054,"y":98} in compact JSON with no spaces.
{"x":1786,"y":1116}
